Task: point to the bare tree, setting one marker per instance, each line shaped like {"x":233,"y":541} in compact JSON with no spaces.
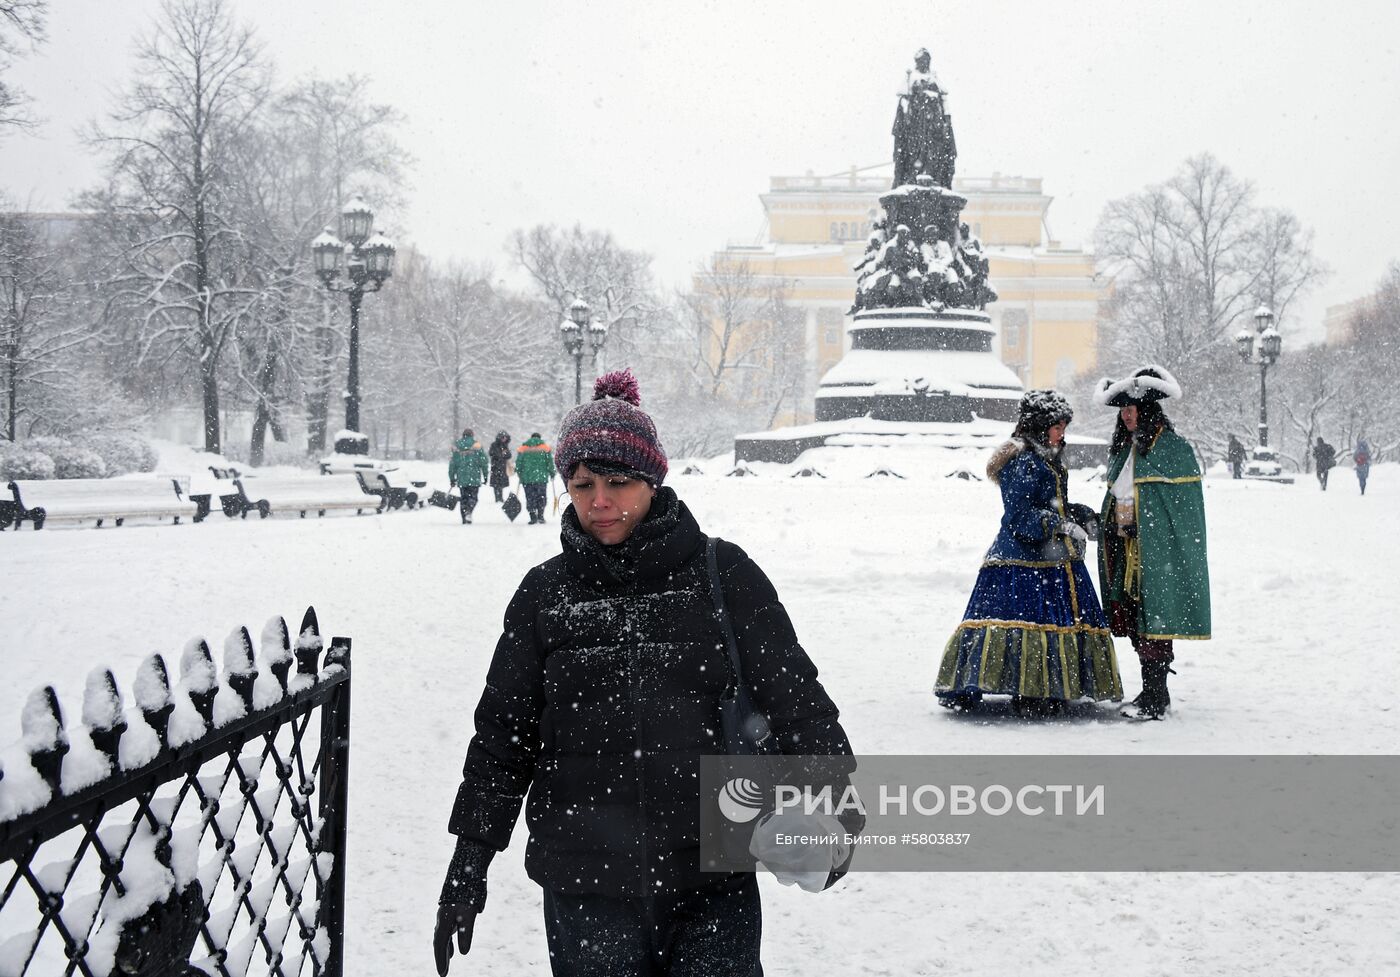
{"x":747,"y":340}
{"x":183,"y":272}
{"x":614,"y":281}
{"x":1188,"y":259}
{"x":1310,"y":382}
{"x":39,"y":337}
{"x":464,"y":351}
{"x":1369,"y":403}
{"x":22,"y":22}
{"x":345,"y":146}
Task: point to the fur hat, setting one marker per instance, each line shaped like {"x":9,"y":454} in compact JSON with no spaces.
{"x":1043,"y":409}
{"x":612,"y":429}
{"x":1146,"y":386}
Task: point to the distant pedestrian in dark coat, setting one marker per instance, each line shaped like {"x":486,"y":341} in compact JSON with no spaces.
{"x":500,"y":463}
{"x":1325,"y":457}
{"x":1362,"y":458}
{"x":1235,"y":456}
{"x":602,"y":695}
{"x":534,"y":464}
{"x":467,"y":471}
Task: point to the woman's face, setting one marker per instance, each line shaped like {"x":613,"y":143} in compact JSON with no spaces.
{"x":1056,"y":434}
{"x":609,"y":507}
{"x":1129,"y":417}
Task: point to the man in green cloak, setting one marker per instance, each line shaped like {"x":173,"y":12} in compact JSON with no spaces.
{"x":1152,"y":555}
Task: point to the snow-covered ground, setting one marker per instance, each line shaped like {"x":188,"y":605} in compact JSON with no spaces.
{"x":875,"y":573}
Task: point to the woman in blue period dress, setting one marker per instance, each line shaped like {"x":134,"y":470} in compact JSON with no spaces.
{"x":1033,"y":629}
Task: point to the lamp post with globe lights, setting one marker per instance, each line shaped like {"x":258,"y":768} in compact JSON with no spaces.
{"x":1262,"y":347}
{"x":367,"y":260}
{"x":577,"y":330}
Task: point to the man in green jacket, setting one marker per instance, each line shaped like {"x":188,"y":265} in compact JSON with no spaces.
{"x":1152,"y":552}
{"x":534,"y":464}
{"x":467,"y":470}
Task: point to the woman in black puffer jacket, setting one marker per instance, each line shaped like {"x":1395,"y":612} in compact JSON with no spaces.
{"x":601,"y":697}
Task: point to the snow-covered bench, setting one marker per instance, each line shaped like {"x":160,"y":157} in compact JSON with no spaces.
{"x":306,"y":493}
{"x":377,"y":483}
{"x":206,"y":489}
{"x":350,"y":464}
{"x":415,"y":492}
{"x":97,"y":500}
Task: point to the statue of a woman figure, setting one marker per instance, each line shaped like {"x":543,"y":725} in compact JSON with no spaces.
{"x":923,"y":131}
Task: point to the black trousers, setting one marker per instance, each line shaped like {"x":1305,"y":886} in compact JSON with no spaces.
{"x":468,"y":502}
{"x":536,"y":496}
{"x":714,"y":931}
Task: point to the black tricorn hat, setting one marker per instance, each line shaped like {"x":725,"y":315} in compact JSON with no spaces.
{"x":1149,"y":384}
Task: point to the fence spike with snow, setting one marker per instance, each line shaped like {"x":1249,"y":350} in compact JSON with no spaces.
{"x":186,"y":834}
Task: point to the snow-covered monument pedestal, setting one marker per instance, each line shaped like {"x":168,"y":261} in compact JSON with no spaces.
{"x":922,"y":364}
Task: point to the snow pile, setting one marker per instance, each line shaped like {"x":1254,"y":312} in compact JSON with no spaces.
{"x":102,"y":703}
{"x":276,"y":654}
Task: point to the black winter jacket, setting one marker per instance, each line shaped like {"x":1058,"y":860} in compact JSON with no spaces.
{"x":499,"y":454}
{"x":603,"y":693}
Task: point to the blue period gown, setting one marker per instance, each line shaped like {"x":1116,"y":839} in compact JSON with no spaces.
{"x":1034,"y":628}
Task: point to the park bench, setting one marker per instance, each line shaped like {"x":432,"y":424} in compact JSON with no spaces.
{"x":98,"y":500}
{"x":415,"y":491}
{"x":376,"y":483}
{"x":350,"y":464}
{"x":217,"y":484}
{"x":306,"y":493}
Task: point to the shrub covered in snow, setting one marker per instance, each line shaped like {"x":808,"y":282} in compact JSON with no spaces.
{"x":70,"y":460}
{"x":121,"y":453}
{"x":19,"y":460}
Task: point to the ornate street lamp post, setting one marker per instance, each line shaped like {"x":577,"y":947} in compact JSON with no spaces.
{"x":578,"y":329}
{"x":1262,"y":347}
{"x":368,"y":260}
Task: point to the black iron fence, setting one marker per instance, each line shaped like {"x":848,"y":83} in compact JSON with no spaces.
{"x":201,"y":831}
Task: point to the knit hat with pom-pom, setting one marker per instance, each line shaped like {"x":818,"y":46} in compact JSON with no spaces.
{"x":612,"y":429}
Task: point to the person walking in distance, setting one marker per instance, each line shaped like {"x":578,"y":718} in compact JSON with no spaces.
{"x":500,"y":464}
{"x":1325,"y":457}
{"x":467,"y":471}
{"x":1234,"y":454}
{"x":534,"y":465}
{"x":1362,"y":459}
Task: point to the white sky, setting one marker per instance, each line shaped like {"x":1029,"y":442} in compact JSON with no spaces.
{"x":663,"y":121}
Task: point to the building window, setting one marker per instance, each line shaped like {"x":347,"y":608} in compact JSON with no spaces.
{"x":1065,"y":372}
{"x":835,"y":233}
{"x":830,"y":321}
{"x":1013,"y":328}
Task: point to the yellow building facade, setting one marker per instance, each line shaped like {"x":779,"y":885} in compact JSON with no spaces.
{"x":817,"y":227}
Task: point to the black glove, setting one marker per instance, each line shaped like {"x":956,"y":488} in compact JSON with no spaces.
{"x":452,"y":918}
{"x":463,"y":896}
{"x":1087,"y":519}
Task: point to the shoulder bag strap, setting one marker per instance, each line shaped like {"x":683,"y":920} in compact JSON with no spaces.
{"x":717,"y":595}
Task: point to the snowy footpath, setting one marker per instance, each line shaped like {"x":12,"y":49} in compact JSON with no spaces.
{"x":875,"y":574}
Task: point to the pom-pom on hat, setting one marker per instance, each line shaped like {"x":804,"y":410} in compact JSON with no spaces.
{"x":612,"y":428}
{"x":1145,"y":386}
